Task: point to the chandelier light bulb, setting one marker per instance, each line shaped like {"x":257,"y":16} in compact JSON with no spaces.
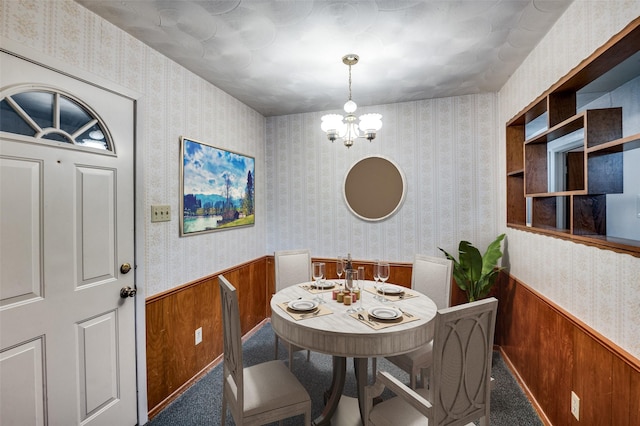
{"x":350,"y":107}
{"x":371,"y":122}
{"x":331,"y":122}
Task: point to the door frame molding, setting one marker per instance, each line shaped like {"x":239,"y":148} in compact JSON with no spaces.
{"x":29,"y":54}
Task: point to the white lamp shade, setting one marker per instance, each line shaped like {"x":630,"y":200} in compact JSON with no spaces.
{"x":331,"y":122}
{"x":370,"y":123}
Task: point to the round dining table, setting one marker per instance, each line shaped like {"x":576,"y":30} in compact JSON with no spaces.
{"x":334,"y":331}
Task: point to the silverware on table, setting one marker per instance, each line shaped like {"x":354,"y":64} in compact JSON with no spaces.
{"x":310,"y":314}
{"x":406,"y":313}
{"x":362,"y":318}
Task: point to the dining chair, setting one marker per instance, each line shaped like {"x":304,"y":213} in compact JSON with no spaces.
{"x":430,"y":276}
{"x":262,"y":393}
{"x":292,"y":267}
{"x":460,"y":378}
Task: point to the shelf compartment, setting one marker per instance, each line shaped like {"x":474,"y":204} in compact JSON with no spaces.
{"x":536,"y":178}
{"x":605,"y":173}
{"x":516,"y":202}
{"x":544,"y":213}
{"x":602,"y":126}
{"x":568,"y":126}
{"x":515,"y":148}
{"x":575,"y":179}
{"x":590,"y":215}
{"x":536,"y":126}
{"x":562,"y":105}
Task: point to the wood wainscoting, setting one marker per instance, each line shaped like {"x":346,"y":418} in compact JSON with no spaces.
{"x":174,"y":361}
{"x":553,"y":353}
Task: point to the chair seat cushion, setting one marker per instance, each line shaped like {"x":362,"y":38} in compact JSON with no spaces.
{"x":395,"y":411}
{"x":270,"y":385}
{"x":420,"y":358}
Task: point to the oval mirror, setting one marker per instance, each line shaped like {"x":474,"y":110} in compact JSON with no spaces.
{"x":374,"y":188}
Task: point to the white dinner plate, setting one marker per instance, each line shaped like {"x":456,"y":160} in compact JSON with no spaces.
{"x":384,"y":313}
{"x":302,"y":305}
{"x":390,"y":289}
{"x":323,"y":285}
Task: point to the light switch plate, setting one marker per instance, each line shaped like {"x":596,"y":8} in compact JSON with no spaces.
{"x":160,"y":213}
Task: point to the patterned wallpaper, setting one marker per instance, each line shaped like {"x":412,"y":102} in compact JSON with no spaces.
{"x":445,"y":147}
{"x":173,"y":102}
{"x":600,"y":287}
{"x":446,"y":150}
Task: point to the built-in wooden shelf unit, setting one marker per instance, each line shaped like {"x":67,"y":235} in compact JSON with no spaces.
{"x":565,"y":152}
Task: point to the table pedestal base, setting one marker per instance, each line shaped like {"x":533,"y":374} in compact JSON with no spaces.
{"x":334,"y":393}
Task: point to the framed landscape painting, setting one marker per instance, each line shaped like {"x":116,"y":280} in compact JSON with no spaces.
{"x":218,"y":188}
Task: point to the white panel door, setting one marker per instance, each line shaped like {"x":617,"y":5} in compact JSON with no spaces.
{"x":67,"y":342}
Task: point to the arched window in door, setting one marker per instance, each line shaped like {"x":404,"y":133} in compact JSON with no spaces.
{"x":50,"y":115}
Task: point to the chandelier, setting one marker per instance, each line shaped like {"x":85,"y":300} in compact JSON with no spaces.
{"x":346,"y":128}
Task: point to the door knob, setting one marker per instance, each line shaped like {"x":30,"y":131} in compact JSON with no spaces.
{"x":127,"y":292}
{"x":125,"y":268}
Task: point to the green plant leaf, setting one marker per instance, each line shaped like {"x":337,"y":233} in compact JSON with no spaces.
{"x":491,"y":256}
{"x":459,"y":274}
{"x":471,"y":260}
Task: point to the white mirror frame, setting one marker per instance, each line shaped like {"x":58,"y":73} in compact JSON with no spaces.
{"x":376,"y":180}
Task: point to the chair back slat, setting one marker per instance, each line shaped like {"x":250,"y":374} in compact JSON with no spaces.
{"x":461,"y":372}
{"x":232,"y":336}
{"x":292,"y":267}
{"x":431,"y":276}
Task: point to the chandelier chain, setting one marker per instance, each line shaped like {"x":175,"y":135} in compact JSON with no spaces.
{"x":349,"y":82}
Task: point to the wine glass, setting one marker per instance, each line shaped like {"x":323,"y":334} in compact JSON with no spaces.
{"x":383,"y":275}
{"x":318,"y":274}
{"x":361,"y":287}
{"x":350,"y":281}
{"x":376,"y":277}
{"x":339,"y":267}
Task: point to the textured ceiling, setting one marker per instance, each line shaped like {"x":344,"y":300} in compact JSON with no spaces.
{"x":284,"y":57}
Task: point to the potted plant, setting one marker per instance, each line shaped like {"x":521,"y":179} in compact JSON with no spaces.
{"x":474,"y":273}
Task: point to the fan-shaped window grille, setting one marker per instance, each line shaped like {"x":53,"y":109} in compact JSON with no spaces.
{"x":53,"y":116}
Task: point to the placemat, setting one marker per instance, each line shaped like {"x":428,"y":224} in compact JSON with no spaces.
{"x":408,"y":294}
{"x":311,"y":289}
{"x":377,"y":324}
{"x":320,"y":311}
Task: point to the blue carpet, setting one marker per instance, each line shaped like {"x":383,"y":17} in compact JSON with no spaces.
{"x":201,"y":403}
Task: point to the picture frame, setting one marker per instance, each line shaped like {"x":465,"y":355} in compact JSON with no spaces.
{"x":217,"y":188}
